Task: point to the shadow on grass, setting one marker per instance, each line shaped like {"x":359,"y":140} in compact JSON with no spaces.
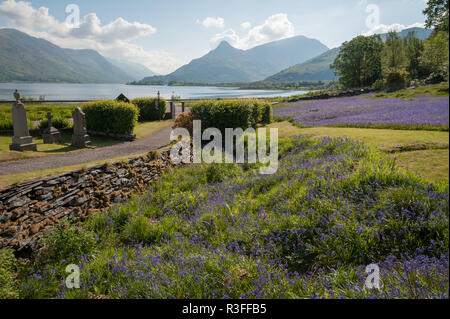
{"x":66,"y":146}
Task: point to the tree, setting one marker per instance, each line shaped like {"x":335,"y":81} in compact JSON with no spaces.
{"x":413,"y":51}
{"x":437,"y":15}
{"x":359,"y":62}
{"x":393,"y":53}
{"x":435,"y":56}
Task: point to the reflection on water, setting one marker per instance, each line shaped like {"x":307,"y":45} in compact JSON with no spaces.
{"x":63,"y":91}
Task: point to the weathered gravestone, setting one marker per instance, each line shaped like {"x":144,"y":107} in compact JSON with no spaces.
{"x":21,"y":141}
{"x":80,"y":137}
{"x":51,"y":135}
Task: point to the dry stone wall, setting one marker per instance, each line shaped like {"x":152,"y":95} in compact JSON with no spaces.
{"x":31,"y":209}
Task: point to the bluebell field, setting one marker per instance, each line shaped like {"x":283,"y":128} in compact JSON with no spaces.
{"x":430,"y":112}
{"x":224,"y":231}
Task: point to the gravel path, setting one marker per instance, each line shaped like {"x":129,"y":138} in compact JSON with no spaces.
{"x":153,"y":142}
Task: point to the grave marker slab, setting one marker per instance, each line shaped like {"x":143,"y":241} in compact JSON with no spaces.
{"x":80,"y":137}
{"x":21,"y":141}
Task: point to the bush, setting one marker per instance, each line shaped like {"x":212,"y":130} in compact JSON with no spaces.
{"x":68,"y":243}
{"x":58,"y":122}
{"x":378,"y":85}
{"x":149,"y":109}
{"x":396,"y":79}
{"x":231,"y":114}
{"x":267,"y":114}
{"x":8,"y":265}
{"x":437,"y":77}
{"x":111,"y":117}
{"x":185,"y":120}
{"x":6,"y":125}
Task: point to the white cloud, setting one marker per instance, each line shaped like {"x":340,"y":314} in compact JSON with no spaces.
{"x":276,"y":27}
{"x":246,"y":25}
{"x":112,"y":39}
{"x":211,"y":22}
{"x":382,"y":28}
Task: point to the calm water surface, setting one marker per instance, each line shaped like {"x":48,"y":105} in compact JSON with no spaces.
{"x":62,"y":91}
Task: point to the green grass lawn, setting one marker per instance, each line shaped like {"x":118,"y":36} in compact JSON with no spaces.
{"x":142,"y":130}
{"x":429,"y":164}
{"x":423,"y":152}
{"x":48,"y":149}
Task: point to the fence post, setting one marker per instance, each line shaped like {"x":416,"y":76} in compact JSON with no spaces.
{"x":172,"y":110}
{"x":182,"y":107}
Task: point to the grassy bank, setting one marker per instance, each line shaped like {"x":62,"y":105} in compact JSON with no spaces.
{"x":424,"y":152}
{"x":218,"y":231}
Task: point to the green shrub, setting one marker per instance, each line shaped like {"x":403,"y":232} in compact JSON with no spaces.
{"x":149,"y":109}
{"x":378,"y":85}
{"x":185,"y":120}
{"x":6,"y":125}
{"x":58,"y":122}
{"x":231,"y":114}
{"x":267,"y":114}
{"x":8,"y":265}
{"x":396,"y":79}
{"x":256,"y":115}
{"x":111,"y":117}
{"x":68,"y":243}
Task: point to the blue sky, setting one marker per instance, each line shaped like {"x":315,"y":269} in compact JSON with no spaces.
{"x":164,"y":35}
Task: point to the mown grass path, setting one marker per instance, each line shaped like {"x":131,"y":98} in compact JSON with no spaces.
{"x":155,"y":141}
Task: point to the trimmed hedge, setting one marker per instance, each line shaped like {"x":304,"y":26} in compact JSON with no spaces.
{"x":267,"y":113}
{"x":149,"y":110}
{"x":111,"y":117}
{"x":232,"y":113}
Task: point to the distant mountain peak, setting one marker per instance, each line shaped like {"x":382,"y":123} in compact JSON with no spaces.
{"x":224,"y":44}
{"x":227,"y":64}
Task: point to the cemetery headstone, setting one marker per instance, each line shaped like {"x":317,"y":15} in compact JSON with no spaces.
{"x":80,"y":137}
{"x":21,"y":141}
{"x":51,"y":135}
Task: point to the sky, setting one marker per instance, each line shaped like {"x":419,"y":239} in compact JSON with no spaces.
{"x":164,"y":35}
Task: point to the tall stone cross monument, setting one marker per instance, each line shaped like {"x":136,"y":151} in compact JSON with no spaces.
{"x":21,"y":141}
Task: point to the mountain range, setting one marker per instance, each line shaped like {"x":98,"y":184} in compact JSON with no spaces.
{"x":318,"y":68}
{"x":28,"y":59}
{"x":226,"y":64}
